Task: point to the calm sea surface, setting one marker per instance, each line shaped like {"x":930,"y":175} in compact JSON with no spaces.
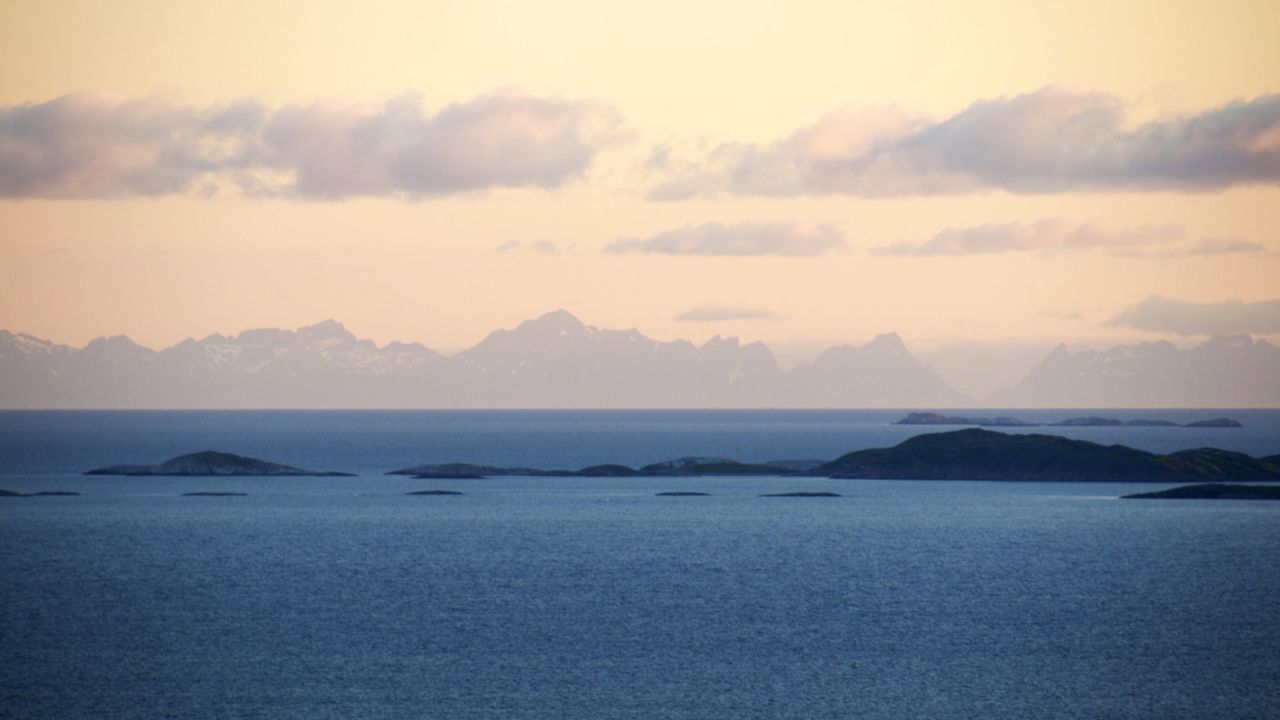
{"x":592,"y":598}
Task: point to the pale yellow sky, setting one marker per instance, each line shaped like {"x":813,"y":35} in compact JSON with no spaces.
{"x":165,"y":267}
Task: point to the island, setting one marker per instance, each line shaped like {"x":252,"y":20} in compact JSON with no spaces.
{"x":214,"y":463}
{"x":928,"y":418}
{"x":969,"y":454}
{"x":1211,"y":491}
{"x":214,"y":494}
{"x":1215,"y":423}
{"x":680,"y":467}
{"x":977,"y":454}
{"x":42,"y":493}
{"x":803,"y":494}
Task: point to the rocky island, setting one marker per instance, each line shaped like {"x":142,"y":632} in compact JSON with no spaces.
{"x":977,"y":454}
{"x":1211,"y":491}
{"x":213,"y":463}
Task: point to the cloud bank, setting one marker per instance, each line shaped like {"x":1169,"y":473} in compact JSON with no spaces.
{"x":1048,"y":235}
{"x":1052,"y":140}
{"x":91,"y":145}
{"x":741,"y":239}
{"x":1160,"y":314}
{"x":719,"y":313}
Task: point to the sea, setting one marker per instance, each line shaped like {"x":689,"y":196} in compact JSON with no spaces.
{"x":595,"y":597}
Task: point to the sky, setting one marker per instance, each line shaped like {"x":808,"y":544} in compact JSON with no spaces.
{"x":992,"y":172}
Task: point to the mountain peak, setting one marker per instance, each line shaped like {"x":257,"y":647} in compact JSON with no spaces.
{"x":326,"y":329}
{"x":557,"y":322}
{"x":887,"y":343}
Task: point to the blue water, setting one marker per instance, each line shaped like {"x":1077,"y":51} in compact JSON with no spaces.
{"x":592,"y":598}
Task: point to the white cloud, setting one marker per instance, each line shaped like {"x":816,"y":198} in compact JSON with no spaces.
{"x":741,"y":239}
{"x":1052,"y":140}
{"x":90,"y":145}
{"x":1049,"y":235}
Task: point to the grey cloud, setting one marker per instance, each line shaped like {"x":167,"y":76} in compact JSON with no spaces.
{"x":89,"y":145}
{"x":741,"y":239}
{"x":1160,"y":314}
{"x":717,"y":313}
{"x":1047,"y":235}
{"x":1052,"y":140}
{"x":1226,"y":245}
{"x":96,"y":145}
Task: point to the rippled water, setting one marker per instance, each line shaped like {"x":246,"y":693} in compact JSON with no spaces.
{"x":592,"y":598}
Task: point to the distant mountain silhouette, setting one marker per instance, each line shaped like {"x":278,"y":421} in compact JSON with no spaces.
{"x":1231,"y":371}
{"x":553,"y":361}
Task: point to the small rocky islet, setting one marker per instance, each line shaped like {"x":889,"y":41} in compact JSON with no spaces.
{"x":209,"y":493}
{"x":802,"y":495}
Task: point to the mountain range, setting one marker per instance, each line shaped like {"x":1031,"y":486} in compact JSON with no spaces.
{"x":556,"y":361}
{"x":1233,"y":371}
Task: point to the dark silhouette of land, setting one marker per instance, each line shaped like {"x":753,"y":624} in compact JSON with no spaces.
{"x":214,"y":494}
{"x":977,"y":454}
{"x":1212,"y":491}
{"x":803,"y":494}
{"x":214,"y":463}
{"x":972,"y":454}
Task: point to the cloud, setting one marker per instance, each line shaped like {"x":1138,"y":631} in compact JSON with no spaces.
{"x":97,"y":145}
{"x":742,"y":239}
{"x":1049,"y":235}
{"x":1225,"y":245}
{"x":1051,"y":140}
{"x":545,"y":247}
{"x":718,"y":313}
{"x":92,"y":145}
{"x":1160,"y":314}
